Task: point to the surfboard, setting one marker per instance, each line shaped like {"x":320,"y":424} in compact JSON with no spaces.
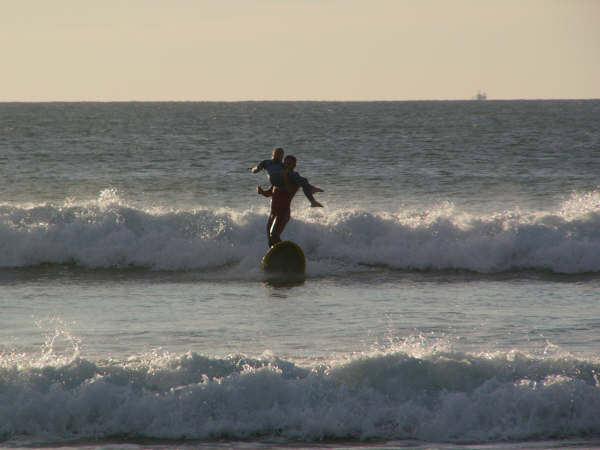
{"x":285,"y":256}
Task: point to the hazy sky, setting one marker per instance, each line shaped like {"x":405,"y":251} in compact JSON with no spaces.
{"x":298,"y":49}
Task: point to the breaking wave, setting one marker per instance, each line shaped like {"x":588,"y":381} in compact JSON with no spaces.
{"x":108,"y":233}
{"x":430,"y":394}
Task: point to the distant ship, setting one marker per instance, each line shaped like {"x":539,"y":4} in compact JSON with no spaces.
{"x":481,"y":96}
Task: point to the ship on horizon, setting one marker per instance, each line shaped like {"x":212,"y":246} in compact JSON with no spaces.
{"x":481,"y":96}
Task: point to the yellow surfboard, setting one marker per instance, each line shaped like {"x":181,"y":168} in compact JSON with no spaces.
{"x":286,"y":256}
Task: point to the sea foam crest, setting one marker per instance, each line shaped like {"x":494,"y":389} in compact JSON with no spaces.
{"x":566,"y":240}
{"x":110,"y":234}
{"x":440,"y":396}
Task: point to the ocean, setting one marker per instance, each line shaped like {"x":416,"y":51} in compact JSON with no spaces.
{"x":451,"y":298}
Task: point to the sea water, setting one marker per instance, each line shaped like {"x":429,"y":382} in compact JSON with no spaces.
{"x":452,"y":293}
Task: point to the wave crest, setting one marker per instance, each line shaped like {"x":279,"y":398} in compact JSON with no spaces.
{"x":440,"y":397}
{"x":110,"y":234}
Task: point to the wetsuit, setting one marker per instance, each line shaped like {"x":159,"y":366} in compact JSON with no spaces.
{"x":273,"y":169}
{"x":298,"y":180}
{"x":281,"y":201}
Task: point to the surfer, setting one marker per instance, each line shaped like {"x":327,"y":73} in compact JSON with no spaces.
{"x":273,"y":166}
{"x":274,"y":169}
{"x":281,"y":198}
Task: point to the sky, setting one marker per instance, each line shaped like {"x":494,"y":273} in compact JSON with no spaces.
{"x":231,"y":50}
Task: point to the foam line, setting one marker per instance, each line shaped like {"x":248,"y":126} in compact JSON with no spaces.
{"x":115,"y":235}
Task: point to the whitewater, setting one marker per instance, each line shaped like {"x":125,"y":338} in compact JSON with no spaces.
{"x":451,"y":298}
{"x":107,"y":233}
{"x":403,"y":393}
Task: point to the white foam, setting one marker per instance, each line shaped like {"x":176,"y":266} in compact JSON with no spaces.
{"x":437,"y":395}
{"x":108,"y":233}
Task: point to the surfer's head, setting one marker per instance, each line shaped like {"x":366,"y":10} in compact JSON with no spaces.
{"x":289,"y":162}
{"x":277,"y":154}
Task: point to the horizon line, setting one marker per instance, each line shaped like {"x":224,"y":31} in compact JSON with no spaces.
{"x":310,"y":101}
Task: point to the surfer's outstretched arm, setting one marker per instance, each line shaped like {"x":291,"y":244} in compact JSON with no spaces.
{"x":260,"y":166}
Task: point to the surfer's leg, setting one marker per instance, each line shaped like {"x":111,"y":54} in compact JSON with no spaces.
{"x":269,"y":226}
{"x":275,"y":232}
{"x":279,"y":224}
